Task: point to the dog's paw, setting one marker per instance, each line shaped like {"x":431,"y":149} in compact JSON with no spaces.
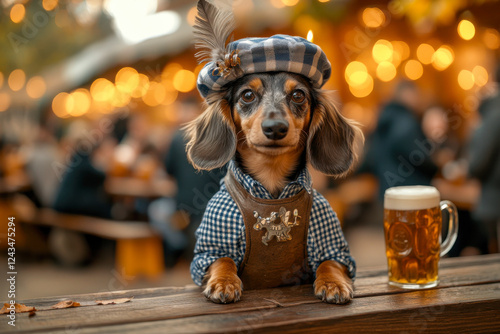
{"x":333,"y":292}
{"x":223,"y":289}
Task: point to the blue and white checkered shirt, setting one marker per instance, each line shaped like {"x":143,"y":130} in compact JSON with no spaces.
{"x":222,"y":230}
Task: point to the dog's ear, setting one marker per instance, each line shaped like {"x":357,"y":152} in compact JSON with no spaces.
{"x":333,"y":140}
{"x":211,"y":137}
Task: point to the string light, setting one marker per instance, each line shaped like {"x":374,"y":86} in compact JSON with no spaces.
{"x":386,"y":71}
{"x":17,"y":13}
{"x":36,"y":87}
{"x":382,"y":51}
{"x":356,"y":73}
{"x":466,"y":79}
{"x":425,"y":53}
{"x":466,"y":30}
{"x":49,"y":5}
{"x":491,"y":39}
{"x":413,"y":69}
{"x":364,"y":89}
{"x":480,"y":75}
{"x":373,"y":17}
{"x":442,"y":58}
{"x":17,"y":79}
{"x":59,"y":105}
{"x":184,"y":81}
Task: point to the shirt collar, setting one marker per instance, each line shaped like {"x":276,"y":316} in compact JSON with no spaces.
{"x":256,"y":189}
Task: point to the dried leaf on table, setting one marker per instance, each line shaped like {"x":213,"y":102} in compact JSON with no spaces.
{"x":65,"y":304}
{"x":113,"y":301}
{"x":19,"y":308}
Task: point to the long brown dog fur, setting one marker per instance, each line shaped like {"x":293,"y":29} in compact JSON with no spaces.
{"x":317,"y":133}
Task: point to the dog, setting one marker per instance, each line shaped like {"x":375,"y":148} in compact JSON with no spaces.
{"x":269,"y":125}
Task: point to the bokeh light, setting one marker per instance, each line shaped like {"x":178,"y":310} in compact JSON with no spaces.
{"x":277,"y":4}
{"x":401,"y":51}
{"x":36,"y":87}
{"x":413,"y":69}
{"x":491,"y":39}
{"x":363,"y":89}
{"x":386,"y":71}
{"x":443,"y":58}
{"x":290,"y":3}
{"x":382,"y":51}
{"x":155,"y":94}
{"x":373,"y":17}
{"x":170,"y":70}
{"x":170,"y":93}
{"x":356,"y":73}
{"x":17,"y":13}
{"x":480,"y":75}
{"x":102,"y":90}
{"x":78,"y":102}
{"x":17,"y":79}
{"x":425,"y":53}
{"x":4,"y":101}
{"x":59,"y":105}
{"x":127,"y":80}
{"x":184,"y":81}
{"x":120,"y":99}
{"x":466,"y":79}
{"x":466,"y":30}
{"x":191,"y":15}
{"x":142,"y":86}
{"x":49,"y":5}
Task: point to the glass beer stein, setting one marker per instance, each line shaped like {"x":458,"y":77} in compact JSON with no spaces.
{"x":412,"y":227}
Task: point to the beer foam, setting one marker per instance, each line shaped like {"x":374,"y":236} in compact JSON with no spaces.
{"x":411,"y":198}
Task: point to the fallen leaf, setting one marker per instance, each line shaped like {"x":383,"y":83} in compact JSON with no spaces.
{"x":113,"y":301}
{"x":65,"y":304}
{"x":19,"y":308}
{"x":32,"y":313}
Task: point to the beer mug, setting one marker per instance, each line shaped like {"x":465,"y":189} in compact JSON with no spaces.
{"x":412,"y":226}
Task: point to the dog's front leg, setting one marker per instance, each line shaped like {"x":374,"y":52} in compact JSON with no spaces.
{"x":223,"y":284}
{"x":332,"y":284}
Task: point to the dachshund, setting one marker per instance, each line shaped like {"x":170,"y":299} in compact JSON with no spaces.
{"x":273,"y":124}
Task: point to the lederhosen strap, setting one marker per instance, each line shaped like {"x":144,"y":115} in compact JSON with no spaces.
{"x":276,"y":237}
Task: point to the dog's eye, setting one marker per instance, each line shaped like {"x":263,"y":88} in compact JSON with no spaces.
{"x":298,"y":96}
{"x":248,"y":96}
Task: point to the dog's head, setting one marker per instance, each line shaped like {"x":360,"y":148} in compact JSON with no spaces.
{"x":264,"y":100}
{"x":273,"y":114}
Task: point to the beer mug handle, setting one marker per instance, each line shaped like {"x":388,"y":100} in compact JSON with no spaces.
{"x":452,"y":226}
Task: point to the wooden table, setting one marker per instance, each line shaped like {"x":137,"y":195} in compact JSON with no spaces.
{"x":466,"y":301}
{"x":134,"y":187}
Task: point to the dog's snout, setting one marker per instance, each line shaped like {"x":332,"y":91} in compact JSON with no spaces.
{"x":275,"y":128}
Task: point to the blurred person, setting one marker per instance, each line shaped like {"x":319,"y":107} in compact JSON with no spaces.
{"x":82,"y":186}
{"x":485,"y":166}
{"x":452,"y":181}
{"x":39,"y":166}
{"x":178,"y":218}
{"x":81,"y":191}
{"x":398,"y":152}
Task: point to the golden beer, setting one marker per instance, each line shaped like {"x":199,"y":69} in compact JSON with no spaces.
{"x":412,"y":226}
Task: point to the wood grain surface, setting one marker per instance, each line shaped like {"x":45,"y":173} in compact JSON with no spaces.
{"x":467,"y":300}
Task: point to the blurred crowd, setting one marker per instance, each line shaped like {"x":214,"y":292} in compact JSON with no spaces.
{"x":126,"y":167}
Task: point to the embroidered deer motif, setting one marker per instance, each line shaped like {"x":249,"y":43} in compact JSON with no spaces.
{"x":277,"y":225}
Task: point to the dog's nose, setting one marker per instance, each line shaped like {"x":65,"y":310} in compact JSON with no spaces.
{"x":275,"y":128}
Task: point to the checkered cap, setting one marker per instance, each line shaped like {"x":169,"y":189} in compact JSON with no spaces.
{"x":281,"y":53}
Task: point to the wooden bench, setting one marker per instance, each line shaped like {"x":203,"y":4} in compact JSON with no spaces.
{"x":139,"y":249}
{"x":466,"y":301}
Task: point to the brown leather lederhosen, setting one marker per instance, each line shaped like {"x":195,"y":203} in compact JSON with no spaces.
{"x":268,"y":262}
